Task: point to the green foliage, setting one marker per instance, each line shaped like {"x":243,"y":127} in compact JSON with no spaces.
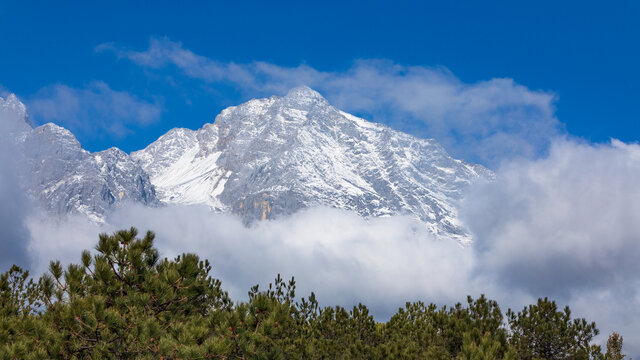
{"x":123,"y":302}
{"x":20,"y":329}
{"x":542,"y":331}
{"x":126,"y":303}
{"x":18,"y":297}
{"x":420,"y":330}
{"x":485,"y":348}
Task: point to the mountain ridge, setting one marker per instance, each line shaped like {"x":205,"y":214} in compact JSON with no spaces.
{"x":260,"y":160}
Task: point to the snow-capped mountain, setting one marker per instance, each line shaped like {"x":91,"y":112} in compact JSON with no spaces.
{"x":260,"y":160}
{"x":271,"y":157}
{"x":62,"y":177}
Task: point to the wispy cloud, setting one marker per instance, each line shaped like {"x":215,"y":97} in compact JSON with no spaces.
{"x":485,"y":121}
{"x":93,"y":109}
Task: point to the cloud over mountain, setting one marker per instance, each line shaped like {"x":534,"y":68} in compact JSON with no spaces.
{"x":484,"y":122}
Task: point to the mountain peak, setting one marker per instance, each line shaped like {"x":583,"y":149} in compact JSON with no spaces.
{"x":304,"y":93}
{"x":14,"y":109}
{"x":12,"y":102}
{"x":274,"y":156}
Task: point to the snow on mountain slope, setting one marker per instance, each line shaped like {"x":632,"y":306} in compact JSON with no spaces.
{"x":62,"y":177}
{"x":274,"y":156}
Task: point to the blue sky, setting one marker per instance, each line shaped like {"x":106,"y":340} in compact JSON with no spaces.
{"x":583,"y":53}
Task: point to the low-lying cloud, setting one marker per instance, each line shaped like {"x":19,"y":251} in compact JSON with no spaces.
{"x":486,"y":121}
{"x":93,"y":110}
{"x":342,"y":257}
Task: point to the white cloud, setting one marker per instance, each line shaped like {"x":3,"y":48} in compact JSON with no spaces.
{"x":93,"y":110}
{"x":566,"y":226}
{"x":485,"y":121}
{"x":343,"y":258}
{"x":563,"y":222}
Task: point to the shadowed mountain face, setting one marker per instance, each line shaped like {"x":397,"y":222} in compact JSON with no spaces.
{"x":271,"y":157}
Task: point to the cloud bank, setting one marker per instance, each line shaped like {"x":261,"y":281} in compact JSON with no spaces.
{"x":487,"y":121}
{"x":339,"y":255}
{"x":566,"y":226}
{"x":562,"y":223}
{"x":93,"y":110}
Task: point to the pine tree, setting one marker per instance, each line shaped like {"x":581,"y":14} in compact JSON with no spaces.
{"x":125,"y":303}
{"x":21,"y":328}
{"x":541,"y":331}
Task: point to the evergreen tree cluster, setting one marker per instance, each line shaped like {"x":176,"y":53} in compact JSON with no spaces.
{"x":125,"y":302}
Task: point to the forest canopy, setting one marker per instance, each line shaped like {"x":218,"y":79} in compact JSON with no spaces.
{"x":124,"y":302}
